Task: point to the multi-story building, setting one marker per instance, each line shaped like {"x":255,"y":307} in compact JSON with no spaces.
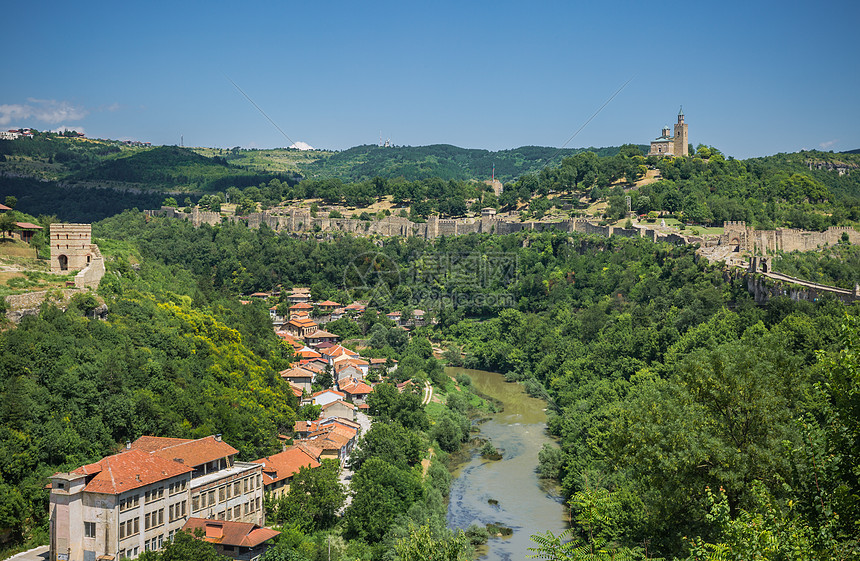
{"x":117,"y":507}
{"x":136,"y":500}
{"x":221,"y":487}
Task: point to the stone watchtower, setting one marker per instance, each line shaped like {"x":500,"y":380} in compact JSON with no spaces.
{"x":681,"y":147}
{"x":71,"y":247}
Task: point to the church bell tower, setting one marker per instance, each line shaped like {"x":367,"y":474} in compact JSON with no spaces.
{"x":681,"y":147}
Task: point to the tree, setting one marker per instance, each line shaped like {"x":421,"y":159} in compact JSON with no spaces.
{"x":381,"y":493}
{"x":185,"y":547}
{"x":422,"y":544}
{"x":169,"y":201}
{"x":325,"y":379}
{"x":7,"y":223}
{"x":315,"y":496}
{"x":11,"y":201}
{"x":389,"y":441}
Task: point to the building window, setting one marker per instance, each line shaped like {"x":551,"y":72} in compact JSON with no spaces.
{"x":177,"y":487}
{"x":212,"y":497}
{"x":195,"y":503}
{"x":129,"y":502}
{"x":89,"y":529}
{"x":222,"y":494}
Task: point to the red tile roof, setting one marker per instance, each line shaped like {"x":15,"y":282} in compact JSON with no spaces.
{"x":285,"y":464}
{"x":329,"y":390}
{"x":230,"y":532}
{"x":339,"y":401}
{"x":302,"y":321}
{"x":297,"y":372}
{"x":129,"y":470}
{"x":338,"y":350}
{"x":28,"y":226}
{"x":188,"y":452}
{"x":356,"y":388}
{"x":320,"y":334}
{"x":328,"y":304}
{"x":301,"y":306}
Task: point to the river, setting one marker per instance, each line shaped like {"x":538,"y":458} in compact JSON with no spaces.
{"x":526,"y":504}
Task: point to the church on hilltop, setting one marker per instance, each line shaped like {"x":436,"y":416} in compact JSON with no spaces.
{"x":676,"y":145}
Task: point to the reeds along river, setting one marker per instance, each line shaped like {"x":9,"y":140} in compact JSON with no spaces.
{"x":526,"y":504}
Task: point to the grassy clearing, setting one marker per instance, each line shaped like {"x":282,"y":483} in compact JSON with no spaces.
{"x":272,"y":160}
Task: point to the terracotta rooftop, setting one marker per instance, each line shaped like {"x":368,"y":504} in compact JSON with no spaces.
{"x":285,"y":464}
{"x":341,"y":394}
{"x":302,"y":321}
{"x":297,"y":372}
{"x":355,"y":388}
{"x":339,"y":401}
{"x":230,"y":532}
{"x":129,"y":470}
{"x":301,"y":306}
{"x":319,"y":333}
{"x":297,"y":391}
{"x":28,"y":226}
{"x":328,"y":304}
{"x":309,"y":448}
{"x":338,"y":350}
{"x":188,"y":452}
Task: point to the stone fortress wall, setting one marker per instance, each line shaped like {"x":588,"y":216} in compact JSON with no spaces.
{"x":783,"y":239}
{"x":299,"y":220}
{"x":72,"y":250}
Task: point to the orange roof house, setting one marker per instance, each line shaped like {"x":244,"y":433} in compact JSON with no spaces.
{"x":300,"y":326}
{"x":237,"y":540}
{"x":199,"y":454}
{"x":278,"y":469}
{"x":128,"y":470}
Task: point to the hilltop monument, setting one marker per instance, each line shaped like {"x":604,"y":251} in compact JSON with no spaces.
{"x":676,"y":145}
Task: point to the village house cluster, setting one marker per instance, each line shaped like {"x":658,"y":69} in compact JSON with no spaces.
{"x":139,"y":498}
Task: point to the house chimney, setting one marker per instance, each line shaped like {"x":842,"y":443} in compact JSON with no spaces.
{"x":128,"y":444}
{"x":218,"y":437}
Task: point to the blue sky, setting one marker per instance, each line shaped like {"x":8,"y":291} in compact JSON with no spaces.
{"x":755,"y":78}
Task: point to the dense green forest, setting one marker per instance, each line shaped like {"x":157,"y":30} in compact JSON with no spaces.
{"x":686,"y":414}
{"x":708,"y":188}
{"x":442,"y":161}
{"x":675,"y":395}
{"x":800,"y":190}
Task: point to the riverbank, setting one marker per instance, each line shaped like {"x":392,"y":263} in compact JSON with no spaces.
{"x":506,"y":492}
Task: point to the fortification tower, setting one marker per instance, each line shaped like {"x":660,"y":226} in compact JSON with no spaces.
{"x":681,"y":147}
{"x":71,"y":247}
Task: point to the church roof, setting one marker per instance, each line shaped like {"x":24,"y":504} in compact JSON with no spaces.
{"x":681,"y":111}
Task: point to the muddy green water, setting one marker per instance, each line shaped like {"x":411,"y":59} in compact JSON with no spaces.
{"x":526,"y":504}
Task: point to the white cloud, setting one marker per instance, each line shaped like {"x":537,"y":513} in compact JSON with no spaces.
{"x":46,"y":110}
{"x":9,"y":112}
{"x":828,"y":144}
{"x":301,"y":145}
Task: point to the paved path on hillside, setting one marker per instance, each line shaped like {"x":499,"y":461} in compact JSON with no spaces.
{"x":428,"y":393}
{"x":37,"y":554}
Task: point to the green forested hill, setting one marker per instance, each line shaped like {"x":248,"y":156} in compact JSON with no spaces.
{"x":439,"y":160}
{"x":173,"y":168}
